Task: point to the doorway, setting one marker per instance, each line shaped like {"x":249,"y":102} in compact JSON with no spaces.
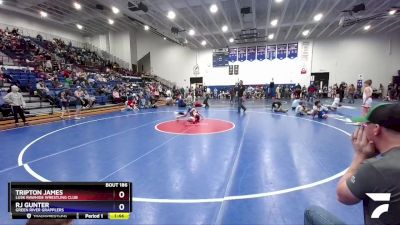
{"x":320,"y":79}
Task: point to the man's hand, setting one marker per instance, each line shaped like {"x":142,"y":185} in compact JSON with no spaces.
{"x":362,"y":146}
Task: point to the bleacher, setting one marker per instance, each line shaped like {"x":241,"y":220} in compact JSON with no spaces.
{"x":26,"y":78}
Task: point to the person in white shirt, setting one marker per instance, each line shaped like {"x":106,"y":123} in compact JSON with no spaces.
{"x":189,"y":99}
{"x":278,"y":92}
{"x":17,"y":102}
{"x":319,"y":110}
{"x":335,"y":104}
{"x":367,"y":97}
{"x":168,"y":93}
{"x":300,"y":110}
{"x":79,"y":95}
{"x":295,"y":103}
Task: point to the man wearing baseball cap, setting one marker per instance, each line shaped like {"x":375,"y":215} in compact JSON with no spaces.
{"x":369,"y":174}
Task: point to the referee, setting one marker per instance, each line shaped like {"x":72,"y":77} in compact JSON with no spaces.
{"x":240,"y":90}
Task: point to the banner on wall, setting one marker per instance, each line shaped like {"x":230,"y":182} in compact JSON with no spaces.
{"x":233,"y":54}
{"x":251,"y":53}
{"x":293,"y":49}
{"x":261,"y":53}
{"x":305,"y":55}
{"x":281,"y":51}
{"x":271,"y":52}
{"x":242,"y":54}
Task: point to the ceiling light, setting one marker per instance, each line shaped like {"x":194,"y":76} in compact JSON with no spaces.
{"x":224,"y":28}
{"x":171,"y":15}
{"x":278,"y":1}
{"x":203,"y":43}
{"x":80,"y":27}
{"x":146,"y":27}
{"x":1,"y":2}
{"x":274,"y":22}
{"x":367,"y":27}
{"x":165,"y":38}
{"x":213,"y":8}
{"x":306,"y":32}
{"x":392,"y":12}
{"x":231,"y":40}
{"x":191,"y":32}
{"x":318,"y":17}
{"x":77,"y":6}
{"x":115,"y":10}
{"x":110,"y":21}
{"x":43,"y":14}
{"x":271,"y":36}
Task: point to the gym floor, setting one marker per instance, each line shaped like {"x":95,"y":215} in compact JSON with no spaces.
{"x":256,"y":167}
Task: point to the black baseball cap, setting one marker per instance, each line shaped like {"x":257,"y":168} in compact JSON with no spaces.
{"x":386,"y":115}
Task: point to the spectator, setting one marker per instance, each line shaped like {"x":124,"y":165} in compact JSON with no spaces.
{"x":272,"y":89}
{"x":116,"y":96}
{"x":56,"y":83}
{"x":89,"y":100}
{"x":43,"y":91}
{"x":351,"y":92}
{"x":278,"y":92}
{"x":79,"y":102}
{"x":342,"y":88}
{"x":65,"y":98}
{"x":17,"y":102}
{"x":189,"y":99}
{"x":381,"y":90}
{"x":215,"y":93}
{"x":181,"y":102}
{"x":379,"y":135}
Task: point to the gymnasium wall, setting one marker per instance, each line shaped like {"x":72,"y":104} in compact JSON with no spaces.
{"x":375,"y":57}
{"x":120,"y":45}
{"x":168,"y":60}
{"x":34,"y":25}
{"x":257,"y":72}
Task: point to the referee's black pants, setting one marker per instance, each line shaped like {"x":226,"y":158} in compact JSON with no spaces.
{"x":18,"y":110}
{"x":240,"y":104}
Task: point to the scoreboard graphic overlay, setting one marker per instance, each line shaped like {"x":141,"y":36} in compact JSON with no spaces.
{"x":70,"y":200}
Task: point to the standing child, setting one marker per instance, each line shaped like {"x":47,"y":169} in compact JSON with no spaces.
{"x":367,"y":97}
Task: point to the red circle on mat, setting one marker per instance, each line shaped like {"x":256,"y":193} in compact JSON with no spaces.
{"x":206,"y":126}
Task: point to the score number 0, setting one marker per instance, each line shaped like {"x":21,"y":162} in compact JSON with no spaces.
{"x":121,"y":195}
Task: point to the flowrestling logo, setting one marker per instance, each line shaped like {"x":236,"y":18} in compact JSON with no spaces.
{"x":379,"y":197}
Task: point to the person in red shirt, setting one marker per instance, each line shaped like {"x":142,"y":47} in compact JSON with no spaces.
{"x":130,"y":104}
